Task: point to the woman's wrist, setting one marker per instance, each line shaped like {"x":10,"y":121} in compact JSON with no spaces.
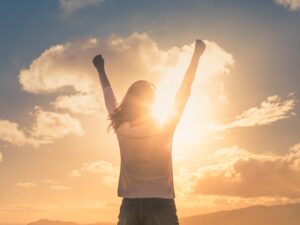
{"x":100,"y":69}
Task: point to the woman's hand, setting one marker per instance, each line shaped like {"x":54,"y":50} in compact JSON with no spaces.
{"x":199,"y":46}
{"x":98,"y":62}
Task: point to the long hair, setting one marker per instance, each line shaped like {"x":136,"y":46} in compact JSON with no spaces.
{"x":137,"y":102}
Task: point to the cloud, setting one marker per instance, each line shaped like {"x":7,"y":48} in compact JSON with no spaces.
{"x":215,"y":60}
{"x":50,"y":126}
{"x":70,"y":6}
{"x":12,"y":134}
{"x":271,"y":110}
{"x":59,"y":187}
{"x":66,"y":69}
{"x":22,"y":208}
{"x":58,"y":67}
{"x":69,"y":64}
{"x":290,"y":4}
{"x":26,"y":184}
{"x":75,"y":173}
{"x":47,"y":128}
{"x":108,"y":173}
{"x":79,"y":103}
{"x":236,"y":172}
{"x":55,"y":185}
{"x":50,"y":181}
{"x":136,"y":56}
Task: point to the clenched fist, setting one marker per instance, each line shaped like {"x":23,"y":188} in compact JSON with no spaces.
{"x":199,"y":46}
{"x":98,"y":62}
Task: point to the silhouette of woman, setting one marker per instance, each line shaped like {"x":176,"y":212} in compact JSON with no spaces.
{"x":146,"y":175}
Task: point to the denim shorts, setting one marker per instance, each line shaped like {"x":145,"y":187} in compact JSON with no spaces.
{"x":148,"y":211}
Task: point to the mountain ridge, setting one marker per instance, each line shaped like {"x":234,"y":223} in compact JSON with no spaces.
{"x":284,"y":214}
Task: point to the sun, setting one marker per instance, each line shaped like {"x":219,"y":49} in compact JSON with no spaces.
{"x":162,"y":108}
{"x":163,"y":105}
{"x":189,"y":129}
{"x":168,"y":86}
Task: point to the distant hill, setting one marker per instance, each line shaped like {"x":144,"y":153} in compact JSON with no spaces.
{"x":254,"y":215}
{"x":52,"y":222}
{"x":56,"y":222}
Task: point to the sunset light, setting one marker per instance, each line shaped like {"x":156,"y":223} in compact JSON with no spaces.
{"x":77,"y":78}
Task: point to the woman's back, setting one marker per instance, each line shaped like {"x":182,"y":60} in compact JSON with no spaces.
{"x":146,"y":176}
{"x":146,"y":161}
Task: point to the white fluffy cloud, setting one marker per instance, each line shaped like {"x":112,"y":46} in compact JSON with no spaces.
{"x":11,"y":133}
{"x":290,"y":4}
{"x":68,"y":66}
{"x":236,"y":172}
{"x":50,"y":126}
{"x":79,"y":103}
{"x":70,"y":6}
{"x":58,"y":67}
{"x":127,"y":59}
{"x":271,"y":110}
{"x":107,"y":172}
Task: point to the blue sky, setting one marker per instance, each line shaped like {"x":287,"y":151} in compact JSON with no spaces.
{"x":262,"y":26}
{"x":261,"y":35}
{"x":251,"y":102}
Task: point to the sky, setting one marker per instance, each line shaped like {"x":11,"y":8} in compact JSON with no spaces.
{"x":237,"y":144}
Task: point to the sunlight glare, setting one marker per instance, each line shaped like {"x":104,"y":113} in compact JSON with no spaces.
{"x":168,"y":86}
{"x":164,"y":100}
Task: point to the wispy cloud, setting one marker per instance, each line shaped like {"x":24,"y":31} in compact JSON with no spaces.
{"x":22,"y":208}
{"x":49,"y":181}
{"x":26,"y":184}
{"x":271,"y":110}
{"x":55,"y":185}
{"x":52,"y":184}
{"x":290,"y":4}
{"x":107,"y":172}
{"x":59,"y":187}
{"x":70,"y":6}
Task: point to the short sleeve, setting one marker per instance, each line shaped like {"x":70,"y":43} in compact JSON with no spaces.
{"x":110,"y":100}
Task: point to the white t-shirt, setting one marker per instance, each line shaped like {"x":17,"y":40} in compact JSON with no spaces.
{"x":146,"y":158}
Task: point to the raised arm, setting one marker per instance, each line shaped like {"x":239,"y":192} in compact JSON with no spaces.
{"x":185,"y":88}
{"x":98,"y":62}
{"x":109,"y":97}
{"x":191,"y":71}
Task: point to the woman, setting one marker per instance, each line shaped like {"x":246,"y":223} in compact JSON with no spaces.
{"x":146,"y":176}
